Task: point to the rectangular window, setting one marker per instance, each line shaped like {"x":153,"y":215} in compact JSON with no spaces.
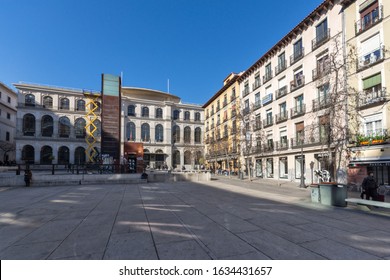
{"x":8,"y":99}
{"x":7,"y":136}
{"x":298,"y":49}
{"x":283,"y":168}
{"x":322,"y":31}
{"x":270,"y":168}
{"x":8,"y":116}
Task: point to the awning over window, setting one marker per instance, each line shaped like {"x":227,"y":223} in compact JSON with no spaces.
{"x":372,"y":81}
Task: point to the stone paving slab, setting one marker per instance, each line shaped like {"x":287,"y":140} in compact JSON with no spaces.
{"x":223,"y":219}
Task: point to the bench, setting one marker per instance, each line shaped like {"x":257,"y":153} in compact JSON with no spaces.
{"x":368,"y":202}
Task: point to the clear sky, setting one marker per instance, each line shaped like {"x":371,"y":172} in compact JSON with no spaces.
{"x":193,"y":43}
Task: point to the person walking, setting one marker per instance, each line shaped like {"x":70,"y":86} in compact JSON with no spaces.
{"x":27,"y":177}
{"x":370,"y":187}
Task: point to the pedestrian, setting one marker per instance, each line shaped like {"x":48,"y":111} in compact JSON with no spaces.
{"x":27,"y":177}
{"x":370,"y":187}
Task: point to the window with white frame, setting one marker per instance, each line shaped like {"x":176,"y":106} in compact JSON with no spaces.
{"x":370,"y":50}
{"x":373,"y":125}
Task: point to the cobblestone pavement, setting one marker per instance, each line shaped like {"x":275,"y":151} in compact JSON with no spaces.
{"x":222,"y":219}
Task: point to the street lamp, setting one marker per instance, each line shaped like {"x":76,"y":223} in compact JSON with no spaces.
{"x":302,"y":184}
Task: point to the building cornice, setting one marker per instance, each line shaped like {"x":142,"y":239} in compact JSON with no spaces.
{"x":294,"y":33}
{"x":54,"y":89}
{"x":222,"y":90}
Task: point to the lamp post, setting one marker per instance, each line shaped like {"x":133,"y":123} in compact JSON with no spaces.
{"x":302,"y":184}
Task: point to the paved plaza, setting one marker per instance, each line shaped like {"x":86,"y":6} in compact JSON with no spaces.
{"x":222,"y":219}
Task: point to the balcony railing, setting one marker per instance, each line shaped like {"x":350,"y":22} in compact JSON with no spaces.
{"x":257,"y":125}
{"x":297,"y":83}
{"x":256,"y":84}
{"x":280,"y":67}
{"x":281,"y":117}
{"x":281,"y":92}
{"x":281,"y":145}
{"x":298,"y":111}
{"x":371,"y":58}
{"x":268,"y":122}
{"x":372,"y":98}
{"x":320,"y":40}
{"x":321,"y":103}
{"x":320,"y":72}
{"x":369,"y":21}
{"x":297,"y":56}
{"x":268,"y":76}
{"x":307,"y":141}
{"x":245,"y":92}
{"x":257,"y":105}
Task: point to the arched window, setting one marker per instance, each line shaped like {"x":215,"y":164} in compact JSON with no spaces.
{"x":29,"y":100}
{"x":64,"y":103}
{"x":79,"y":128}
{"x":176,"y":134}
{"x":145,"y":132}
{"x":187,"y":134}
{"x":130,"y":131}
{"x":97,"y":128}
{"x":159,"y":131}
{"x":47,"y":126}
{"x":176,"y":158}
{"x":198,"y":135}
{"x":80,"y":105}
{"x":47,"y":102}
{"x":187,"y":157}
{"x":64,"y":127}
{"x":63,"y":155}
{"x":176,"y":114}
{"x":95,"y":107}
{"x":131,"y":110}
{"x":159,"y":113}
{"x":197,"y":117}
{"x":46,"y":155}
{"x":79,"y":155}
{"x":28,"y":154}
{"x":145,"y":112}
{"x":186,"y":115}
{"x":29,"y":125}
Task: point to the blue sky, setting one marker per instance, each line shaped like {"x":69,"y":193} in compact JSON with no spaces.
{"x":193,"y":43}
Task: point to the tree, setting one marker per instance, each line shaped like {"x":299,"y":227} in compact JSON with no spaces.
{"x":6,"y":148}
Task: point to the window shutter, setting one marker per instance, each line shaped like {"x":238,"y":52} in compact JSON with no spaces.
{"x":372,"y":81}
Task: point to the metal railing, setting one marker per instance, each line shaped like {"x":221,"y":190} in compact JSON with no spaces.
{"x":281,"y":92}
{"x":321,"y":103}
{"x":320,"y":39}
{"x":280,"y":67}
{"x":297,"y":56}
{"x":281,"y":117}
{"x":368,"y":21}
{"x":298,"y":111}
{"x":373,"y":98}
{"x":371,"y":58}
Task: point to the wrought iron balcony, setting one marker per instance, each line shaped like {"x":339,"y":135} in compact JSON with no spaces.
{"x":268,"y":76}
{"x":281,"y":67}
{"x":320,"y":40}
{"x":267,"y":99}
{"x":256,"y":84}
{"x":368,"y":21}
{"x":322,"y":102}
{"x":298,"y":111}
{"x":281,"y":145}
{"x":369,"y":59}
{"x":257,"y":105}
{"x":245,"y":92}
{"x":268,"y":122}
{"x":297,"y":56}
{"x":374,"y":98}
{"x":281,"y":117}
{"x":320,"y":72}
{"x":297,"y":83}
{"x":281,"y":92}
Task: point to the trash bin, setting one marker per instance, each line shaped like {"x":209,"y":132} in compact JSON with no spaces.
{"x":333,"y":194}
{"x":315,"y":193}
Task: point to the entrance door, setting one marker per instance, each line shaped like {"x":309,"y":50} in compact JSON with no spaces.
{"x":132,"y":163}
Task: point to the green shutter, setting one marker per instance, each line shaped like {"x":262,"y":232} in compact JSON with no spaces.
{"x":372,"y":81}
